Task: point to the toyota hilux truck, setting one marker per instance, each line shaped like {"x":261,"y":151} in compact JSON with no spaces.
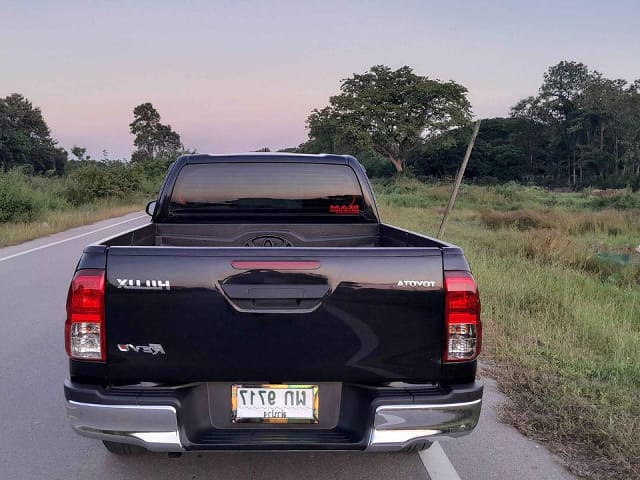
{"x":266,"y":306}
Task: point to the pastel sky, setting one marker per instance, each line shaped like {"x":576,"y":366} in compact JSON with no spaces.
{"x":240,"y":75}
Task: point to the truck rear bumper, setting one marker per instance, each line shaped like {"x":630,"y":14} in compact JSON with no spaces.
{"x":154,"y":427}
{"x":397,"y":427}
{"x":396,"y":419}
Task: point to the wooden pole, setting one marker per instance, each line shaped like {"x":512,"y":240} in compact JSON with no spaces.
{"x":456,"y":186}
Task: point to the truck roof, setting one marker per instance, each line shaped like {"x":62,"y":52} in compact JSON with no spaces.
{"x":269,"y":157}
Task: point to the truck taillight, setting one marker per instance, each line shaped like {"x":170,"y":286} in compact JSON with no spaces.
{"x":463,"y":329}
{"x":84,"y":328}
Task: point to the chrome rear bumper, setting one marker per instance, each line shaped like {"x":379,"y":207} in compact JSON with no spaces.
{"x":154,"y":427}
{"x":394,"y":426}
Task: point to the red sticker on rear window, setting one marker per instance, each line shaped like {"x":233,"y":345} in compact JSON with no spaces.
{"x":344,"y":209}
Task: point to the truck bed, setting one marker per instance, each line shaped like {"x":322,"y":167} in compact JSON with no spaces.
{"x":279,"y":235}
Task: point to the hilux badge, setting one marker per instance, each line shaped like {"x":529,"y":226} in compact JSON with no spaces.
{"x":132,"y":284}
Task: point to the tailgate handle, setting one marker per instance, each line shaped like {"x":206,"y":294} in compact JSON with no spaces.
{"x":275,"y":291}
{"x":263,"y":297}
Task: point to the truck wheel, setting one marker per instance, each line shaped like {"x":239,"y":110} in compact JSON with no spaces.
{"x":418,"y":447}
{"x":123,"y":448}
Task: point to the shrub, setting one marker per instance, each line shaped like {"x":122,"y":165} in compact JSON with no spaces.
{"x":551,"y":246}
{"x":25,"y":197}
{"x":510,"y":190}
{"x":608,"y":222}
{"x":520,"y":219}
{"x":377,"y":167}
{"x":152,"y":173}
{"x":622,"y":200}
{"x":111,"y":179}
{"x":17,"y":200}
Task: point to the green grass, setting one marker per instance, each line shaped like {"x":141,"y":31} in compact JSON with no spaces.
{"x":561,"y":325}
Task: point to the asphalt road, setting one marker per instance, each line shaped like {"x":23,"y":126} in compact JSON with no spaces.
{"x":37,"y":443}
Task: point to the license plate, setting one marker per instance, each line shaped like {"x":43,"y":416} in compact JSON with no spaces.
{"x":274,"y":403}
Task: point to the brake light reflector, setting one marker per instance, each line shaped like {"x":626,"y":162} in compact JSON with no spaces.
{"x":275,"y":265}
{"x":84,"y":328}
{"x":463,"y":328}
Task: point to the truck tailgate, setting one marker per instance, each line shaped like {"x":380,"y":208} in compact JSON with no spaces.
{"x":273,"y":314}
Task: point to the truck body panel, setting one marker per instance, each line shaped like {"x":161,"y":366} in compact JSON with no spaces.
{"x":267,"y":271}
{"x":347,"y":320}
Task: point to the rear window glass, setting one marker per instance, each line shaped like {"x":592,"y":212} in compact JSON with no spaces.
{"x":238,"y":190}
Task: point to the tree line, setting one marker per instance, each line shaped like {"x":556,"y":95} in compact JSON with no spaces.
{"x":580,"y":129}
{"x":26,"y":142}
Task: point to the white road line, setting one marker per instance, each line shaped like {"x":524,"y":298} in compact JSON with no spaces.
{"x":437,"y":463}
{"x":69,"y":239}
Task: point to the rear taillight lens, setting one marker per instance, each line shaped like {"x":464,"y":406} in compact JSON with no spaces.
{"x":84,"y":328}
{"x":463,"y":329}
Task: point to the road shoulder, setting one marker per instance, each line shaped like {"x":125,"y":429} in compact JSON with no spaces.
{"x":498,"y":451}
{"x":109,"y":226}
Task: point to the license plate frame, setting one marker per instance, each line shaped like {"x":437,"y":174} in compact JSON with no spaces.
{"x":313,"y":418}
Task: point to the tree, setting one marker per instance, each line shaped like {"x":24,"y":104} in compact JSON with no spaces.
{"x":495,"y":156}
{"x":80,"y":153}
{"x":580,"y":127}
{"x":560,"y":93}
{"x":388,"y":111}
{"x":563,"y":85}
{"x":531,"y":122}
{"x":328,"y":134}
{"x":152,"y":138}
{"x":25,"y":138}
{"x":627,"y":132}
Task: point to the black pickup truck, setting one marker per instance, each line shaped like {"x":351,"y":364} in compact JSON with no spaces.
{"x":267,"y":307}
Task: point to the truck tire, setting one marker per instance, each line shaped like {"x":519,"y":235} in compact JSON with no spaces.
{"x":123,"y":448}
{"x":418,"y":447}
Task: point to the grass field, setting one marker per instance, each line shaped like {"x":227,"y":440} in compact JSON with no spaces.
{"x":559,"y":280}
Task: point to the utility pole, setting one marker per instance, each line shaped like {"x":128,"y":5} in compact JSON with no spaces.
{"x":456,"y":186}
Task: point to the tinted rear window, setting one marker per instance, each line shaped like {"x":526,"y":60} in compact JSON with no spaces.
{"x":239,"y":190}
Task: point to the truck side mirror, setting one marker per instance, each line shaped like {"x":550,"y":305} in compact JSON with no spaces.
{"x":151,"y":208}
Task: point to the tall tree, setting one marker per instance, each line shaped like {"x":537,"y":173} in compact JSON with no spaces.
{"x":390,"y":112}
{"x":561,"y":90}
{"x":563,"y":85}
{"x":627,"y":137}
{"x":152,"y":138}
{"x":532,"y":121}
{"x":25,"y":138}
